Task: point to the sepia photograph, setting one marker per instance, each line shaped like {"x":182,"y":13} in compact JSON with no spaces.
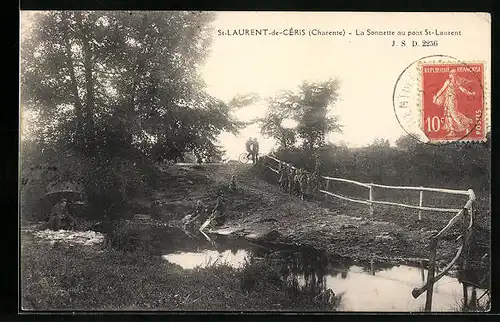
{"x":175,"y":161}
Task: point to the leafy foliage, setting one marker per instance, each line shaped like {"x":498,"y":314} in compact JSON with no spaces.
{"x":410,"y":162}
{"x":309,"y":107}
{"x":118,"y":90}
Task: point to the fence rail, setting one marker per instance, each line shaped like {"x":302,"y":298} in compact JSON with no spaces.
{"x":367,"y":185}
{"x":449,"y":191}
{"x":345,"y":198}
{"x":463,"y":213}
{"x":388,"y":203}
{"x":370,"y":201}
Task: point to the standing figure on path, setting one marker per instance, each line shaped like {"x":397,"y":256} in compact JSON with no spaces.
{"x":232,"y":184}
{"x":255,"y":150}
{"x":313,"y":183}
{"x":447,"y":97}
{"x":249,"y":147}
{"x":317,"y":165}
{"x":291,"y":180}
{"x":310,"y":185}
{"x":303,"y":178}
{"x":296,"y":182}
{"x":283,"y":177}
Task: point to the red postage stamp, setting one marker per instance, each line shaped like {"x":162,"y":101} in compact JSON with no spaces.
{"x":453,"y":103}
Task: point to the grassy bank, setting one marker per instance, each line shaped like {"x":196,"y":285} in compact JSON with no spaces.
{"x":71,"y":278}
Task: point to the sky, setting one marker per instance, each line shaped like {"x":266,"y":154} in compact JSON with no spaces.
{"x":366,"y":66}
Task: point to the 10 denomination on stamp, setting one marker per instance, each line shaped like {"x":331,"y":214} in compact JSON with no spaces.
{"x":452,"y":102}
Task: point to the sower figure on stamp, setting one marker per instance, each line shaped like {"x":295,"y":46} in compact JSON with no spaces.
{"x":447,"y":97}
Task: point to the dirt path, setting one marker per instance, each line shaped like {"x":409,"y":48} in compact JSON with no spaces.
{"x":331,"y":226}
{"x":258,"y":206}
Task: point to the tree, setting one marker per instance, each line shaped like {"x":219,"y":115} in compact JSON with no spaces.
{"x":272,"y":126}
{"x":115,"y":87}
{"x":309,"y":108}
{"x":380,"y":144}
{"x":109,"y":81}
{"x":244,"y":100}
{"x":314,"y":103}
{"x":407,"y":142}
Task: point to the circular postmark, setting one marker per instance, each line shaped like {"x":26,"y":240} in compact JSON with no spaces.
{"x":439,"y":99}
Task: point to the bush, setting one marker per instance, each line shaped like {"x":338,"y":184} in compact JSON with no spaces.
{"x":109,"y":182}
{"x":452,"y":165}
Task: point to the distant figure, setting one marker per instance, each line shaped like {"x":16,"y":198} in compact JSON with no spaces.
{"x":291,"y":180}
{"x":283,"y":177}
{"x":249,"y":148}
{"x":255,"y":150}
{"x":303,"y":184}
{"x":189,"y":219}
{"x":317,"y":166}
{"x":296,"y":182}
{"x":60,"y":217}
{"x":232,"y":185}
{"x":313,"y":183}
{"x":260,"y":161}
{"x":219,"y":212}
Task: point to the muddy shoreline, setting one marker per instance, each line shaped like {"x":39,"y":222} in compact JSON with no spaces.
{"x":257,"y":210}
{"x":352,"y":253}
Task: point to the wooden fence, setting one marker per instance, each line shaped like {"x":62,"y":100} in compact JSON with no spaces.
{"x":464,"y":214}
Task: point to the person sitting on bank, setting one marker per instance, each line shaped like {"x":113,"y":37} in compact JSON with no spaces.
{"x":219,"y":212}
{"x":60,"y":217}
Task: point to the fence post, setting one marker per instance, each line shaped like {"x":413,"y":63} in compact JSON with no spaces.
{"x":465,"y":241}
{"x":430,"y":275}
{"x":466,"y":295}
{"x":371,"y":199}
{"x":422,"y":272}
{"x":421,"y":203}
{"x":327,"y":186}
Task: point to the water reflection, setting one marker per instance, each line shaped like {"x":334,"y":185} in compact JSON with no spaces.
{"x":351,"y":286}
{"x":189,"y":260}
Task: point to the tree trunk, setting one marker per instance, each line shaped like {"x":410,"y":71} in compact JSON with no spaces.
{"x":74,"y":84}
{"x":89,"y":80}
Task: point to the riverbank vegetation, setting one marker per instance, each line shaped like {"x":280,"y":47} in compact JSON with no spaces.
{"x":107,"y":94}
{"x":111,"y":279}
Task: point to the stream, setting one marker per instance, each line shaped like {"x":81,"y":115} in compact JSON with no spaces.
{"x":359,"y":286}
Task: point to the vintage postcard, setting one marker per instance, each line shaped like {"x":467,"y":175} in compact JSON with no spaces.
{"x":255,"y":161}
